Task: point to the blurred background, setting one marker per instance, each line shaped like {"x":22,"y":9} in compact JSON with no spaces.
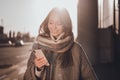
{"x":96,"y":26}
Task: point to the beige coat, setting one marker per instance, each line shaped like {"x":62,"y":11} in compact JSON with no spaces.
{"x":71,"y":65}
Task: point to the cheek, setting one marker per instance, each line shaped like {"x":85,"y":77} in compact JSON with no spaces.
{"x":61,"y":28}
{"x":49,"y":27}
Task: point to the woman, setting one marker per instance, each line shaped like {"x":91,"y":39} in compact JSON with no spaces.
{"x":64,"y":58}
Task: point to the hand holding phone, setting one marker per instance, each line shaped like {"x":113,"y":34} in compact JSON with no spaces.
{"x":40,"y":60}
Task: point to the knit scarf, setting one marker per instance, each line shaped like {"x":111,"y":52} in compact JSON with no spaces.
{"x":59,"y":45}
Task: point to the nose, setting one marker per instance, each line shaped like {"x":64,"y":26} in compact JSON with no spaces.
{"x":55,"y":26}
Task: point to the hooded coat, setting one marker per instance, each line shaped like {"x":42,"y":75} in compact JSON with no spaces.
{"x":71,"y":65}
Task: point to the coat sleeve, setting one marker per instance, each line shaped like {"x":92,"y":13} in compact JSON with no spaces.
{"x":87,"y":72}
{"x":30,"y":71}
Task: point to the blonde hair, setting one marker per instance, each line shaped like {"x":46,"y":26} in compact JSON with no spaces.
{"x":65,"y":19}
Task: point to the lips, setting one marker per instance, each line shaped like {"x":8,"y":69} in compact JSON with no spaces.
{"x":55,"y":31}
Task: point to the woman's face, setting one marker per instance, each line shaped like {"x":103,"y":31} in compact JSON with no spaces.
{"x":55,"y":26}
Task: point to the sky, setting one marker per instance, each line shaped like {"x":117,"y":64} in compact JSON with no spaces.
{"x":27,"y":15}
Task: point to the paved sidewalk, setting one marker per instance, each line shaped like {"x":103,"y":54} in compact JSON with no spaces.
{"x":6,"y":71}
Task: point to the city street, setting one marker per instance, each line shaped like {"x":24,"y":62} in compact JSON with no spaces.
{"x":13,"y":61}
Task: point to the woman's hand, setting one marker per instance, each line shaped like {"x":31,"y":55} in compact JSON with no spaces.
{"x":40,"y":62}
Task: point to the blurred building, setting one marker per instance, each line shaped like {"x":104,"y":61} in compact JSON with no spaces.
{"x":3,"y":37}
{"x":109,"y":30}
{"x":99,"y":29}
{"x":105,"y":31}
{"x":1,"y":30}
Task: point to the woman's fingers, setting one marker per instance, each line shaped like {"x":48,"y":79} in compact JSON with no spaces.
{"x":40,"y":62}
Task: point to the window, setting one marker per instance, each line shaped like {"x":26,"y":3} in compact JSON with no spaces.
{"x":105,"y":13}
{"x":116,"y":15}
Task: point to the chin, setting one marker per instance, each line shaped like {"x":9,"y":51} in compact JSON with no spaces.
{"x":55,"y":35}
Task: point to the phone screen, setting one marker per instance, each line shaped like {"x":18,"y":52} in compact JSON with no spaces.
{"x":39,"y":53}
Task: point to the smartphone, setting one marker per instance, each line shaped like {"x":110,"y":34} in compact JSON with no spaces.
{"x":39,"y":53}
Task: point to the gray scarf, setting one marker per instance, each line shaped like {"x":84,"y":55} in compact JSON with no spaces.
{"x":59,"y":45}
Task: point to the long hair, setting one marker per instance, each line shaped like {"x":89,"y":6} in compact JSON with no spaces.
{"x":66,"y":59}
{"x":64,"y":18}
